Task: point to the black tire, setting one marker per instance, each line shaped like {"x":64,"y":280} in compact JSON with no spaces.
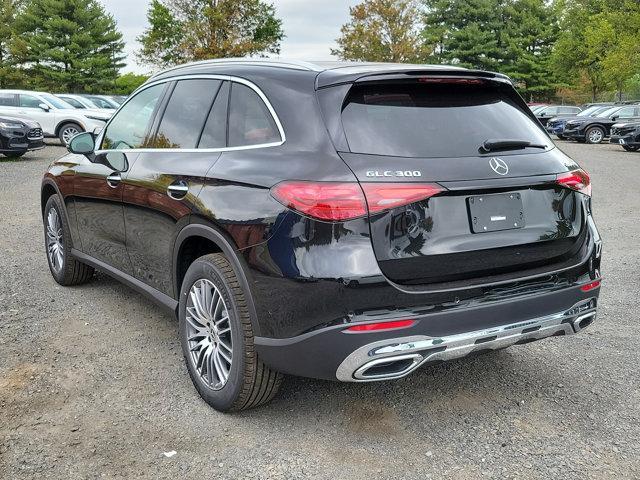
{"x":561,"y":137}
{"x":631,"y":148}
{"x":72,"y":272}
{"x":13,"y":154}
{"x":250,"y":383}
{"x":590,"y":130}
{"x":68,"y":127}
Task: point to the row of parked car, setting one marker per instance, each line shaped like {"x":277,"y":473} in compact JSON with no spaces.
{"x":619,"y":122}
{"x":27,"y":117}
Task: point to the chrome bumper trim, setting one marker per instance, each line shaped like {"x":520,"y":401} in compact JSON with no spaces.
{"x":413,"y":351}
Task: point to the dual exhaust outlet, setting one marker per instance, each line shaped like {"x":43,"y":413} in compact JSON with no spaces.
{"x":397,"y":358}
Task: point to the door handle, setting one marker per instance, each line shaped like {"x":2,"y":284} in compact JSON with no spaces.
{"x":178,"y":190}
{"x":114,"y":179}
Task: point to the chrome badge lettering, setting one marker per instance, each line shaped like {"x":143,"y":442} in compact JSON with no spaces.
{"x":394,"y":173}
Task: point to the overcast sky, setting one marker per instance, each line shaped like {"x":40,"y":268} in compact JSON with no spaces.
{"x":310,"y":26}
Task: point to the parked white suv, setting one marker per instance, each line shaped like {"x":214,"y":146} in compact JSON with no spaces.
{"x":57,"y":117}
{"x":83,"y":103}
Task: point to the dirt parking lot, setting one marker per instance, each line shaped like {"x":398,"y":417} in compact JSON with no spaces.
{"x":93,"y":385}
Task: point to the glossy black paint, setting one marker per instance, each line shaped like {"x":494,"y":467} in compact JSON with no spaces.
{"x":303,"y":274}
{"x":23,"y":136}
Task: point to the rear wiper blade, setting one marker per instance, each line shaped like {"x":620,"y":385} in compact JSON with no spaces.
{"x":493,"y":145}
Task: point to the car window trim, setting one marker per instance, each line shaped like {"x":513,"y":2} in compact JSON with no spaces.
{"x":206,"y":118}
{"x":229,"y":78}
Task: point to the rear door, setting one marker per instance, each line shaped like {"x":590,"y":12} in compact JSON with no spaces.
{"x":490,"y":211}
{"x":161,"y":189}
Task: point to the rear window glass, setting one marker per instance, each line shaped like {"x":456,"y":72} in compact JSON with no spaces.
{"x":433,"y":120}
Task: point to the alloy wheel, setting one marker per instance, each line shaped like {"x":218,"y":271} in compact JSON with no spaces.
{"x":209,"y":334}
{"x":55,"y":245}
{"x":595,"y":135}
{"x":68,"y":133}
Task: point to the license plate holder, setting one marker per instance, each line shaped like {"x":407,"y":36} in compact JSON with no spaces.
{"x":496,"y":212}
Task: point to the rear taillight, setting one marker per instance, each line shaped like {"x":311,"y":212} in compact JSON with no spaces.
{"x":577,"y":180}
{"x":385,"y":196}
{"x":590,"y":286}
{"x":337,"y":202}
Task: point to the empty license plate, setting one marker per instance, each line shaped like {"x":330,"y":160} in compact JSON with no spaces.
{"x":491,"y":213}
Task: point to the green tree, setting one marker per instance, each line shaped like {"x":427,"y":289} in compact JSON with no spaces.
{"x":162,"y":39}
{"x":69,"y":45}
{"x":9,"y":74}
{"x":465,"y":32}
{"x":127,"y":83}
{"x":186,"y":30}
{"x":382,"y":31}
{"x":511,"y":36}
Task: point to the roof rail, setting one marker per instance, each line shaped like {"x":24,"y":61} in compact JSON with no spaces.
{"x":292,"y":64}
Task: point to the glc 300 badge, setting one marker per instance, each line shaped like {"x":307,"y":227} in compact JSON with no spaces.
{"x":498,"y":165}
{"x":394,"y":173}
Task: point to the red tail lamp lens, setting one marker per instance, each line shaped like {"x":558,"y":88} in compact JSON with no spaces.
{"x":377,"y":327}
{"x":577,"y":180}
{"x":385,"y":196}
{"x":335,"y":202}
{"x":590,"y":286}
{"x":323,"y":200}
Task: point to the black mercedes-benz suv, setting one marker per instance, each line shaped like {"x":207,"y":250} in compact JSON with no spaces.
{"x":344,"y":221}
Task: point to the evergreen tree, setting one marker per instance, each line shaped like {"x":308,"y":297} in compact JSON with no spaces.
{"x":510,"y":36}
{"x":185,"y":30}
{"x":9,"y":74}
{"x":382,"y":31}
{"x":69,"y":45}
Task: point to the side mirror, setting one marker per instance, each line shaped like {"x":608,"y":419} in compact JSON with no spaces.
{"x":114,"y":160}
{"x":44,"y":107}
{"x":82,"y":144}
{"x":615,"y":117}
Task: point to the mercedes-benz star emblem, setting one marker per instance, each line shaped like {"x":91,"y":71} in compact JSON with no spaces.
{"x":498,"y":165}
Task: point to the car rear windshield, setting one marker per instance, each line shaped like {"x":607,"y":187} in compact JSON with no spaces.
{"x":434,"y":120}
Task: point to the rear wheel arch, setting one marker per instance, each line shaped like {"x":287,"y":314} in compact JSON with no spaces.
{"x":196,"y":240}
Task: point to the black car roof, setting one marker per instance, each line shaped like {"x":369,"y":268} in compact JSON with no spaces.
{"x":326,"y":72}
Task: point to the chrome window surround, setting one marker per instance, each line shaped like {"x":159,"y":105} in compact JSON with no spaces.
{"x":229,"y":78}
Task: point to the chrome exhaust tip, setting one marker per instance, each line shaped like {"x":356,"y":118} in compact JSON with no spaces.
{"x":583,"y":321}
{"x":388,"y":367}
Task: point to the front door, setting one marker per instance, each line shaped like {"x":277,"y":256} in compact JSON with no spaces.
{"x":29,"y":108}
{"x":98,"y":189}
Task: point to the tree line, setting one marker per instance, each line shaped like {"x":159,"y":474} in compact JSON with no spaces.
{"x":575,"y":50}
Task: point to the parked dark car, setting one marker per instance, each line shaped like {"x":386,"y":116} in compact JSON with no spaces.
{"x":18,"y":136}
{"x":627,"y":134}
{"x":596,"y":129}
{"x":347,"y":221}
{"x":556,"y":125}
{"x":551,"y":111}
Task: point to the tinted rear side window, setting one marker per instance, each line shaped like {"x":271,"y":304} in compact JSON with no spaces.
{"x":250,"y":122}
{"x":186,"y":113}
{"x":433,"y":120}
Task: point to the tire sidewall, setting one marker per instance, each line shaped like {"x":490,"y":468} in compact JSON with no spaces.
{"x":224,"y":398}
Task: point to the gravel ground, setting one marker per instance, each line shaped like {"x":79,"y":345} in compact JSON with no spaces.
{"x":93,"y":385}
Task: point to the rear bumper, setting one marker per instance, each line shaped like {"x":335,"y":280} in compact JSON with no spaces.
{"x":332,"y":354}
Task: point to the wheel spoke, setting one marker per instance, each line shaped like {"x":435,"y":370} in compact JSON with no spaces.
{"x":220,"y":370}
{"x":223,"y":354}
